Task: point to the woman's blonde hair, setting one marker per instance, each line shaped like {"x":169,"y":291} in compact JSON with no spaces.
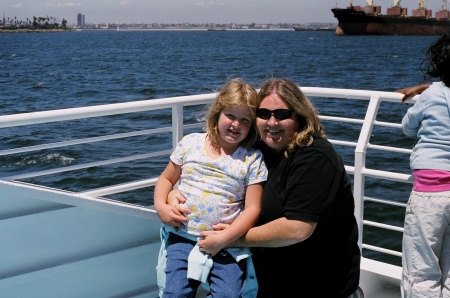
{"x":301,"y":106}
{"x":234,"y":93}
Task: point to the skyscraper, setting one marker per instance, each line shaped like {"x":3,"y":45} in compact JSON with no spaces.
{"x":80,"y":20}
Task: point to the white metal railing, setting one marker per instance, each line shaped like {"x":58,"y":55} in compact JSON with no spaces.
{"x":177,"y":105}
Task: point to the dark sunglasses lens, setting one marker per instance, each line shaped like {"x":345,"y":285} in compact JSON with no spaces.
{"x":263,"y":113}
{"x":279,"y":114}
{"x":282,"y":114}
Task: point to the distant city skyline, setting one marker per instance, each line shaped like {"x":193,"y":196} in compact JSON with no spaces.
{"x":191,"y":11}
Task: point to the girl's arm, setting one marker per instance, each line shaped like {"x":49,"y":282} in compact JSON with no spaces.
{"x":216,"y":241}
{"x":169,"y":215}
{"x":411,"y":91}
{"x":413,"y":118}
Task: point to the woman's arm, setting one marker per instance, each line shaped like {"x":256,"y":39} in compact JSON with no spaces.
{"x":312,"y":185}
{"x":277,"y":233}
{"x":214,"y":242}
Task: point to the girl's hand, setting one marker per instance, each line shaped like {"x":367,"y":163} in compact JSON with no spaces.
{"x":412,"y":91}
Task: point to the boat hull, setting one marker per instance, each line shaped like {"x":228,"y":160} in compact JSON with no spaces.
{"x":352,"y":22}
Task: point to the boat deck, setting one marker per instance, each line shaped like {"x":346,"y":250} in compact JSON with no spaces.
{"x":59,"y":243}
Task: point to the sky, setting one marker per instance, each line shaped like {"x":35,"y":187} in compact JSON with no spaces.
{"x":191,"y":11}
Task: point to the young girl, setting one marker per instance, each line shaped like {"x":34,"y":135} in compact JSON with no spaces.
{"x":426,"y":238}
{"x":219,"y":175}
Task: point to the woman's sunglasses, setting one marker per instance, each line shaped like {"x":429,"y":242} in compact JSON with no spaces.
{"x":279,"y":114}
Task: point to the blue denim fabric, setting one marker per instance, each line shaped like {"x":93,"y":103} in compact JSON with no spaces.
{"x":227,"y":277}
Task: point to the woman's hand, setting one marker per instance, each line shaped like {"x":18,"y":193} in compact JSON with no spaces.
{"x":175,"y":199}
{"x":172,"y":213}
{"x":170,"y":216}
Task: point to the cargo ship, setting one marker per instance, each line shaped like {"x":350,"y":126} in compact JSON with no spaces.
{"x":368,"y":20}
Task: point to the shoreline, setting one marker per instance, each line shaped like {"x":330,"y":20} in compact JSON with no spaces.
{"x":150,"y":29}
{"x":34,"y":31}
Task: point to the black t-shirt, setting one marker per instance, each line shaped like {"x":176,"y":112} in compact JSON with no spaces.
{"x":311,"y":185}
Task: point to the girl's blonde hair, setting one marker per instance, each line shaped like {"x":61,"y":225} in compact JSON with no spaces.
{"x":234,"y":93}
{"x":301,"y":106}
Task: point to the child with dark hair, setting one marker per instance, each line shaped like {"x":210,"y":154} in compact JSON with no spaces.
{"x":426,"y":238}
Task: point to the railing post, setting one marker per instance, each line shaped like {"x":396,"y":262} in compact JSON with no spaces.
{"x":177,"y":124}
{"x":360,"y":162}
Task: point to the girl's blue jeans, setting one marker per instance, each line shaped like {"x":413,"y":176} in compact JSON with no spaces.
{"x":226,"y":279}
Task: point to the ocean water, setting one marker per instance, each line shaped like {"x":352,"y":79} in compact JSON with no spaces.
{"x":63,"y":70}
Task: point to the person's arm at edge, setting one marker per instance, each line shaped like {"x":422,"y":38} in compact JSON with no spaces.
{"x":411,"y":91}
{"x":412,"y":119}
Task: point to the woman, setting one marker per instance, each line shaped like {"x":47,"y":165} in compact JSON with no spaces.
{"x":305,"y":241}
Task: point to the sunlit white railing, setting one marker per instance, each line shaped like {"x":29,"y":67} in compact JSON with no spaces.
{"x":177,"y":105}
